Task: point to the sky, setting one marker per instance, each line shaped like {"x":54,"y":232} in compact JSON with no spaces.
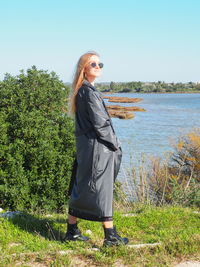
{"x":138,"y":40}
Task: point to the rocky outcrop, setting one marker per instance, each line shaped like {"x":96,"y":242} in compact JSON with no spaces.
{"x":120,"y":99}
{"x":121,"y":108}
{"x":121,"y":114}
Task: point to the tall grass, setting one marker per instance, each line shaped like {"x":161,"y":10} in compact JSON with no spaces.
{"x":172,"y":180}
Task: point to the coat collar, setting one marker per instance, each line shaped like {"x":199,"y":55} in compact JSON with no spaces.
{"x":85,"y":82}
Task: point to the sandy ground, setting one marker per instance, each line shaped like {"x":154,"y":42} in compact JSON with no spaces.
{"x":188,"y":264}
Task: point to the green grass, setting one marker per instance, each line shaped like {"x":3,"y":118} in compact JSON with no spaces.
{"x":29,"y":239}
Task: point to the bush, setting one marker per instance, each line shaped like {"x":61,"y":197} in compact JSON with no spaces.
{"x":174,"y":179}
{"x":126,"y":90}
{"x":187,"y":155}
{"x":37,"y":142}
{"x":177,"y":180}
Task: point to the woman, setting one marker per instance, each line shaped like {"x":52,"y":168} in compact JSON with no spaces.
{"x":98,"y":155}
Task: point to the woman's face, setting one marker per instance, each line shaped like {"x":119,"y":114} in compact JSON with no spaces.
{"x":93,"y":71}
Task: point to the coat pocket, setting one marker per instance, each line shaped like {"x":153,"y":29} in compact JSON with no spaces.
{"x":117,"y":162}
{"x":95,"y":160}
{"x":105,"y":155}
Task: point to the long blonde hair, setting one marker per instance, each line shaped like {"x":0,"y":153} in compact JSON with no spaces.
{"x":79,"y":77}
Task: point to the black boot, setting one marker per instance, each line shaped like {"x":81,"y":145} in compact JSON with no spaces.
{"x":74,"y":234}
{"x":112,"y":238}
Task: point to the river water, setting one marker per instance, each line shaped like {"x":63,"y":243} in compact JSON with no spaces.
{"x":167,"y":117}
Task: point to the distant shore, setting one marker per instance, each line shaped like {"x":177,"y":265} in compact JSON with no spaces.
{"x":150,"y":87}
{"x":177,"y":92}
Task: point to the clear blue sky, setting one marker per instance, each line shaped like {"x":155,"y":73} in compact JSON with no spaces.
{"x":138,"y":40}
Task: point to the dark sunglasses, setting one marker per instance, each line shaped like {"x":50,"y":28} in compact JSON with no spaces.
{"x":94,"y":64}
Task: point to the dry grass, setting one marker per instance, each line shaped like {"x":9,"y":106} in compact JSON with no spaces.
{"x":173,"y":180}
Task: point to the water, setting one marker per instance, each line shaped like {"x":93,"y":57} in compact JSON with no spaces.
{"x":152,"y":132}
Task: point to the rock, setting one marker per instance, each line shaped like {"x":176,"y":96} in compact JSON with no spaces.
{"x":64,"y":252}
{"x":93,"y":249}
{"x":14,"y":245}
{"x":89,"y":232}
{"x":10,"y":214}
{"x":129,"y":214}
{"x":197,"y":212}
{"x":144,"y":245}
{"x":188,"y":264}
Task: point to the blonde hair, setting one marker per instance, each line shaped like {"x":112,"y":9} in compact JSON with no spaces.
{"x":79,"y":77}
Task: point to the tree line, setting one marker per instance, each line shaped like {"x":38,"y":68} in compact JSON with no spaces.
{"x":148,"y":87}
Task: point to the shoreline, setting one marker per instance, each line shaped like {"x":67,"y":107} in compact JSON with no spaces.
{"x":181,"y":92}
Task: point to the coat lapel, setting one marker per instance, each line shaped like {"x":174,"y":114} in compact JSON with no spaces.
{"x":85,"y":82}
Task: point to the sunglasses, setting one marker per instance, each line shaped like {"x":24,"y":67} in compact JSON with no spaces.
{"x":94,"y":64}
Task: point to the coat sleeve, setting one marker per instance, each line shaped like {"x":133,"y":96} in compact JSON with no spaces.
{"x":100,"y":120}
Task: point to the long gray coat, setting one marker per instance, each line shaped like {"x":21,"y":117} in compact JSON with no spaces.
{"x":98,"y":158}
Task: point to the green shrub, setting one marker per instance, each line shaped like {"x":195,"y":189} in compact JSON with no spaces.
{"x":37,"y":142}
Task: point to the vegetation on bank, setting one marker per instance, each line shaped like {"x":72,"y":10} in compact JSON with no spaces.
{"x":174,"y":180}
{"x":165,"y":215}
{"x":30,"y":239}
{"x":37,"y":149}
{"x":148,"y":87}
{"x":177,"y":180}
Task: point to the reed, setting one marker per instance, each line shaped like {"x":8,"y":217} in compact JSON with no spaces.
{"x":172,"y":180}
